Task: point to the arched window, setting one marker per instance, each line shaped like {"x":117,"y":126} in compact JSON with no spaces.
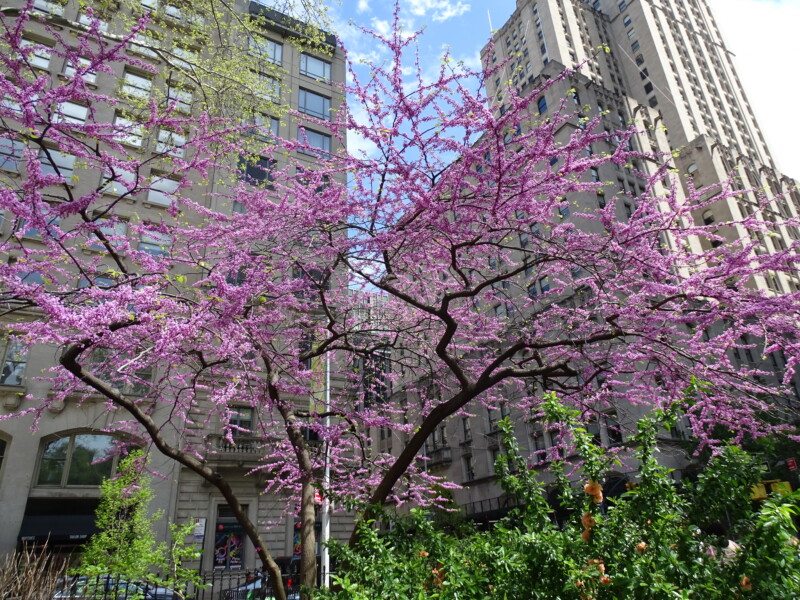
{"x":77,"y":459}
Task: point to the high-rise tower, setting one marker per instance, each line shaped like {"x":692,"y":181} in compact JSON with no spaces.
{"x":667,"y":68}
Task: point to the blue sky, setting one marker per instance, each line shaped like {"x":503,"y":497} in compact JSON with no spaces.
{"x":762,"y":35}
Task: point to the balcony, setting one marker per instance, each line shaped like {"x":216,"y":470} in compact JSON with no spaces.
{"x":244,"y":448}
{"x":437,"y":457}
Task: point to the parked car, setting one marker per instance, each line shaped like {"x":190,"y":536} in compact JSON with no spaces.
{"x":108,"y":587}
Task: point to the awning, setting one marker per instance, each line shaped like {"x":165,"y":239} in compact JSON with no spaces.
{"x":57,"y":528}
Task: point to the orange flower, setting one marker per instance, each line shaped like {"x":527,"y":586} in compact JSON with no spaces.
{"x":598,"y":497}
{"x":587,"y":520}
{"x":641,"y":547}
{"x":585,"y":535}
{"x":605,"y":580}
{"x":423,"y":553}
{"x":592,"y":488}
{"x":579,"y":584}
{"x":602,"y":568}
{"x":745,"y":583}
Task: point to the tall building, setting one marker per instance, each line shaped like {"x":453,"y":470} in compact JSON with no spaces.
{"x":49,"y":480}
{"x":662,"y":67}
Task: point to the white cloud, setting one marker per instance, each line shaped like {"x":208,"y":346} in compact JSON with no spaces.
{"x":381,"y":26}
{"x":357,"y":145}
{"x":762,"y":36}
{"x":441,"y":9}
{"x":363,"y":6}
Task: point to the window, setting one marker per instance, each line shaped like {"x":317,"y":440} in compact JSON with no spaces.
{"x":38,"y":55}
{"x":314,"y":105}
{"x":69,"y":112}
{"x":257,"y":171}
{"x":228,"y":537}
{"x":543,"y":48}
{"x":162,"y":191}
{"x":648,"y":87}
{"x":631,"y":33}
{"x":173,"y":12}
{"x":639,"y":60}
{"x":563,"y":211}
{"x":270,"y":87}
{"x":622,"y":6}
{"x":72,"y":69}
{"x":544,"y":284}
{"x":708,"y":217}
{"x":652,"y":101}
{"x":266,"y":49}
{"x":10,"y":154}
{"x":314,"y":139}
{"x":128,"y":132}
{"x":149,"y":4}
{"x":54,"y":162}
{"x":137,"y":86}
{"x":84,"y":20}
{"x":263,"y":126}
{"x":576,"y":99}
{"x":113,"y":231}
{"x":595,"y":174}
{"x":626,"y":21}
{"x":311,"y":66}
{"x":119,"y":182}
{"x":635,"y":46}
{"x":170,"y":142}
{"x":241,"y":420}
{"x":466,"y":429}
{"x":15,"y":359}
{"x":49,"y":8}
{"x":180,"y":98}
{"x":82,"y":459}
{"x":613,"y":430}
{"x":644,"y":74}
{"x":541,"y":104}
{"x":468,"y":465}
{"x":155,"y":243}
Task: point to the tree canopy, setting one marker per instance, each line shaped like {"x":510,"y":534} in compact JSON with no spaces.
{"x":465,"y":261}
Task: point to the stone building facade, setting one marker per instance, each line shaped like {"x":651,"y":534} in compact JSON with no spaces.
{"x":49,"y":477}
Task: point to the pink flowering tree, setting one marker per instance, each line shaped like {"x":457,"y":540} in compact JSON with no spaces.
{"x":450,"y":267}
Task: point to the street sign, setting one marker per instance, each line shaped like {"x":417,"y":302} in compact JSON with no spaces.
{"x":791,"y":464}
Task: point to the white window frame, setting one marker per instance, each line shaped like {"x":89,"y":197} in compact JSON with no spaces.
{"x":155,"y":243}
{"x":39,"y":58}
{"x":65,"y":163}
{"x":71,"y":71}
{"x":138,"y":86}
{"x":70,"y":112}
{"x":128,"y":131}
{"x":170,"y":142}
{"x":162,"y":191}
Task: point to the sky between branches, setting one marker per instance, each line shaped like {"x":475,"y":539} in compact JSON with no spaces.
{"x":760,"y":33}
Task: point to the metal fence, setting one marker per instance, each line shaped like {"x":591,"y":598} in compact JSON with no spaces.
{"x":215,"y":585}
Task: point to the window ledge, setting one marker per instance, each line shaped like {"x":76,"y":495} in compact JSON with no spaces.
{"x":11,"y":396}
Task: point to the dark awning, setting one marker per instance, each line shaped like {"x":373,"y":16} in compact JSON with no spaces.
{"x":57,"y":528}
